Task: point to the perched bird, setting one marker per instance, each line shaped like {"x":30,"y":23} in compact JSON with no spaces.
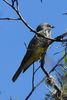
{"x":36,"y":48}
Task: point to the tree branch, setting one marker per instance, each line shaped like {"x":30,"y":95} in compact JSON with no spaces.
{"x":15,"y":1}
{"x":29,"y":94}
{"x":49,"y":78}
{"x":9,"y":18}
{"x":43,"y":79}
{"x":33,"y":77}
{"x":57,"y":63}
{"x":19,"y":15}
{"x":57,"y":39}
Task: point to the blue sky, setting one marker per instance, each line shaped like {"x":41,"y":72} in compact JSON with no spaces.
{"x":13,"y":34}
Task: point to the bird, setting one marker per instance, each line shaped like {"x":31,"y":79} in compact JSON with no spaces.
{"x":36,"y":48}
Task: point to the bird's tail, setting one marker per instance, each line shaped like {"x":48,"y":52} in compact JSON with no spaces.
{"x":23,"y":67}
{"x":17,"y":74}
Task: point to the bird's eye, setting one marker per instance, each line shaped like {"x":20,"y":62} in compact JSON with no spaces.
{"x":48,"y":25}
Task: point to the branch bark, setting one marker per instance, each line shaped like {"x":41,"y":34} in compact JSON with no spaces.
{"x":57,"y":39}
{"x":9,"y":18}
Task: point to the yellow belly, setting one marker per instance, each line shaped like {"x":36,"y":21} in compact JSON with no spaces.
{"x":38,"y":53}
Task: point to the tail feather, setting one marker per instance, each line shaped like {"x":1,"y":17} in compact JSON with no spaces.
{"x":25,"y":63}
{"x":23,"y":67}
{"x":17,"y":74}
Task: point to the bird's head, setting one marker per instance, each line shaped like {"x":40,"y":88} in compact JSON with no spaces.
{"x":44,"y":28}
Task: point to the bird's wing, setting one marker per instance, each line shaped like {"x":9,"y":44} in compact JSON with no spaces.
{"x":27,"y":60}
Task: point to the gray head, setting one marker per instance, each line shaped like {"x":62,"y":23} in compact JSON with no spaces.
{"x":44,"y":26}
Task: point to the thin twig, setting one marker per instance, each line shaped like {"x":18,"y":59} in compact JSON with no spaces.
{"x":49,"y":79}
{"x":65,"y":53}
{"x":15,"y":1}
{"x":57,"y":63}
{"x":43,"y":79}
{"x":41,"y":1}
{"x":33,"y":87}
{"x":22,"y":19}
{"x":36,"y":69}
{"x":10,"y":98}
{"x":62,"y":67}
{"x":25,"y":45}
{"x":59,"y":77}
{"x":64,"y":13}
{"x":50,"y":71}
{"x":29,"y":94}
{"x":9,"y":18}
{"x":57,"y":39}
{"x":58,"y":52}
{"x":33,"y":77}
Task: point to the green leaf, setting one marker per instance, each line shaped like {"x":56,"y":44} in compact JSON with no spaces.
{"x":65,"y":59}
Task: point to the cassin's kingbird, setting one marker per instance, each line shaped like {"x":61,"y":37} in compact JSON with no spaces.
{"x":36,"y":48}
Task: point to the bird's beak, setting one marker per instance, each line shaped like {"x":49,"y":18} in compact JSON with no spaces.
{"x":52,"y":26}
